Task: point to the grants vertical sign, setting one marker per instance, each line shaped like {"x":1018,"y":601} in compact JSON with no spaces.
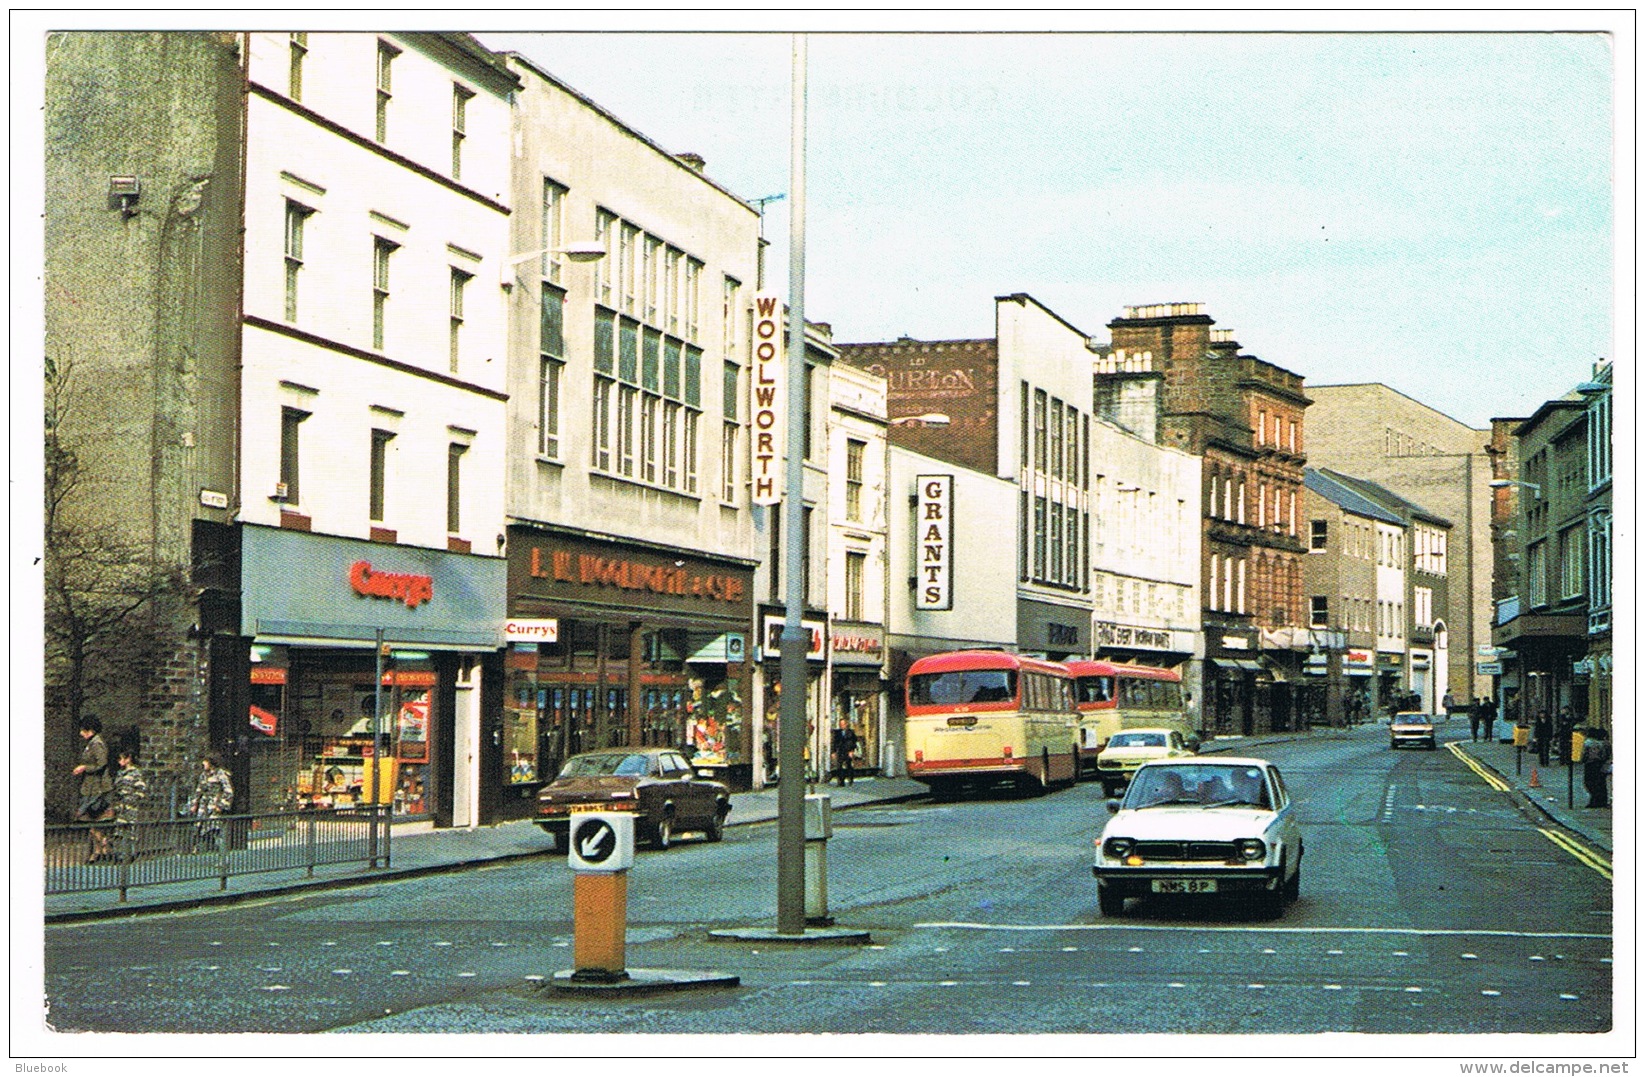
{"x":766,"y":392}
{"x":934,"y":542}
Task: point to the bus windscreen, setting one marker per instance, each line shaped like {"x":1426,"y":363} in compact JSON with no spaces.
{"x":962,"y":686}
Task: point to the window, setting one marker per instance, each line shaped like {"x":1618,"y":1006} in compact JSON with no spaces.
{"x":1422,"y":606}
{"x":1055,"y":424}
{"x":1536,"y":573}
{"x":648,"y":437}
{"x":548,"y":408}
{"x":855,"y":567}
{"x":1570,"y":562}
{"x":1055,"y":572}
{"x":671,"y":444}
{"x":601,"y":424}
{"x":1039,"y":538}
{"x":553,"y":230}
{"x":626,"y":395}
{"x":1241,"y":509}
{"x":854,"y":452}
{"x":1240,"y":585}
{"x":651,"y":263}
{"x":693,"y":296}
{"x":731,"y":397}
{"x":1262,"y":505}
{"x":460,"y":97}
{"x":1039,"y":429}
{"x":1262,"y":428}
{"x":1319,"y":534}
{"x":454,"y":487}
{"x":729,"y":305}
{"x":381,"y":250}
{"x":1292,"y":431}
{"x":605,"y":232}
{"x":379,"y":471}
{"x":297,"y":216}
{"x":1319,"y":611}
{"x":459,"y":279}
{"x":385,"y":86}
{"x":290,"y":461}
{"x":689,"y":451}
{"x":299,"y":52}
{"x":672,"y":260}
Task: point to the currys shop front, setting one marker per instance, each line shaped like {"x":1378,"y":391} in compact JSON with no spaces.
{"x":333,"y":722}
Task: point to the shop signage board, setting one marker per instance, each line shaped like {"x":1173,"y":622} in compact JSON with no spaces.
{"x":532,"y":629}
{"x":934,"y":542}
{"x":816,"y":633}
{"x":767,"y":400}
{"x":1488,"y":669}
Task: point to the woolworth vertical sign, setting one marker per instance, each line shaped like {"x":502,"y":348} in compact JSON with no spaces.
{"x":934,"y":543}
{"x":766,"y":400}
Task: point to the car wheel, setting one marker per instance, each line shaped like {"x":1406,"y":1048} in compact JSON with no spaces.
{"x":1293,"y":886}
{"x":1270,"y":904}
{"x":1110,"y":901}
{"x":716,"y":825}
{"x":665,"y":832}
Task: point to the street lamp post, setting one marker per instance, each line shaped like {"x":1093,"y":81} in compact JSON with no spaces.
{"x":791,"y":731}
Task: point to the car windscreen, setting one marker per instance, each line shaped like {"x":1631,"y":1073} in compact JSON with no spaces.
{"x":606,"y":764}
{"x":1203,"y":784}
{"x":1137,"y":740}
{"x":963,"y":686}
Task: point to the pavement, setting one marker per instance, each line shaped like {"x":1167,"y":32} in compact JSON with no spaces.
{"x":422,"y":851}
{"x":425,"y":851}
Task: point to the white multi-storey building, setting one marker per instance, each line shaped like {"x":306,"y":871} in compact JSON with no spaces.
{"x":1145,"y":553}
{"x":372,"y":413}
{"x":857,"y":567}
{"x":631,"y":539}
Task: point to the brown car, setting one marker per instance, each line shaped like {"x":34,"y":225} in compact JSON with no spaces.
{"x":657,"y":784}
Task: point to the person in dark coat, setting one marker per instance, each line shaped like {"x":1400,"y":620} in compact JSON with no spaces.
{"x":1543,"y":731}
{"x":1487,"y":707}
{"x":1596,"y":767}
{"x":96,"y":785}
{"x":844,"y":751}
{"x":1476,"y":715}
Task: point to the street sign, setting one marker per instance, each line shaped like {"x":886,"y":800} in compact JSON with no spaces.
{"x":601,"y":842}
{"x":1488,"y":669}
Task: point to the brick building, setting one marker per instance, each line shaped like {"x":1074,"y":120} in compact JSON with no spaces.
{"x":1244,"y":417}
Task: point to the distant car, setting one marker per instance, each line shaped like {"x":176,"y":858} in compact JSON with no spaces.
{"x":1131,"y":748}
{"x":1222,"y":826}
{"x":657,"y":784}
{"x":1412,"y":727}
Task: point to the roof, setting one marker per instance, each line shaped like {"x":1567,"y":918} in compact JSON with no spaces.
{"x":1344,"y":496}
{"x":1403,"y":508}
{"x":1088,"y":667}
{"x":963,"y":660}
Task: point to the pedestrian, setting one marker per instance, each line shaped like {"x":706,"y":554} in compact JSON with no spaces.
{"x":130,"y":790}
{"x":1543,"y":731}
{"x":1476,"y":715}
{"x":1488,"y":719}
{"x":96,"y":787}
{"x":212,"y":797}
{"x":1596,"y":767}
{"x":1449,"y":702}
{"x":844,"y":748}
{"x":1564,"y":726}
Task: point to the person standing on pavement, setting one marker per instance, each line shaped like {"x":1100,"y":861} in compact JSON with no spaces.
{"x":1449,"y":702}
{"x":1488,"y":717}
{"x":1476,"y":715}
{"x":96,"y":787}
{"x":1543,"y":731}
{"x":844,"y":748}
{"x":212,"y":797}
{"x":130,"y":790}
{"x":1596,"y":767}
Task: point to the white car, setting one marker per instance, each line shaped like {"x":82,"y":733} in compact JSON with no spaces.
{"x":1131,"y":748}
{"x":1203,"y":825}
{"x":1412,"y":727}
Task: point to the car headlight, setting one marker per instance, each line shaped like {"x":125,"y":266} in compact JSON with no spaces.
{"x":1251,"y":848}
{"x":1117,"y":848}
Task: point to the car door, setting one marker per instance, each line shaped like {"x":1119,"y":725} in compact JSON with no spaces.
{"x":1289,"y":833}
{"x":683,"y":790}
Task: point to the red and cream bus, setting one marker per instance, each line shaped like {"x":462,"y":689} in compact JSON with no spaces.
{"x":1111,"y":696}
{"x":979,"y":718}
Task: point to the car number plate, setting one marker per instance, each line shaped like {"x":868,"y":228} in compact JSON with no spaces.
{"x":587,"y":807}
{"x":1185,"y":886}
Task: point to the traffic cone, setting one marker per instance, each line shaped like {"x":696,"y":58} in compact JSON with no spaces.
{"x":1536,"y":780}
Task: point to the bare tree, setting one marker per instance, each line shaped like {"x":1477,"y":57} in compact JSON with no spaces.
{"x":110,"y":603}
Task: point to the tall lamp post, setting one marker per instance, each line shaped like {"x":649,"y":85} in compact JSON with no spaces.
{"x":791,"y":731}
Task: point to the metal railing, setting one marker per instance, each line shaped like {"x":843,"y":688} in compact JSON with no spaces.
{"x":186,"y":850}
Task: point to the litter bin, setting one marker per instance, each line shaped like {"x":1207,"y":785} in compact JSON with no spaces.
{"x":1577,"y":741}
{"x":1522,"y":736}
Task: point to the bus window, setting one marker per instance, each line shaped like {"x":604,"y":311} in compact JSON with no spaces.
{"x":967,"y":686}
{"x":1095,"y":690}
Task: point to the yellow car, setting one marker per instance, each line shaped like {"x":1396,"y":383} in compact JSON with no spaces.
{"x":1131,"y":748}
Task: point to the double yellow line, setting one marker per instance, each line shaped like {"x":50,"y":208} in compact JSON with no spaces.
{"x":1582,"y":852}
{"x":1474,"y":765}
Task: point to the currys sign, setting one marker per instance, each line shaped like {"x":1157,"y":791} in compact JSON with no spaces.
{"x":405,"y":587}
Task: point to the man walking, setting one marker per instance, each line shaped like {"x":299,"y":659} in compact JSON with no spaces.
{"x":844,"y":748}
{"x":1476,"y":715}
{"x":1488,"y":712}
{"x":1596,"y":766}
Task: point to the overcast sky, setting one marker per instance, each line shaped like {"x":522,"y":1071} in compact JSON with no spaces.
{"x":1432,"y":210}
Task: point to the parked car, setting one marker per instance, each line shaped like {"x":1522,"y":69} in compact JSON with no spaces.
{"x":656,"y":784}
{"x":1222,"y":826}
{"x":1412,"y":727}
{"x":1131,"y":748}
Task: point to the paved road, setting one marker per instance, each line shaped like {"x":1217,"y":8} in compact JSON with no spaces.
{"x":1429,"y":905}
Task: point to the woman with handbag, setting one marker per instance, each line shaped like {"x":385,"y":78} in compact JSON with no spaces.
{"x":96,"y":786}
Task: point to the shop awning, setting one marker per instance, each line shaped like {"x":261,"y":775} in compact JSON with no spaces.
{"x":1245,"y":665}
